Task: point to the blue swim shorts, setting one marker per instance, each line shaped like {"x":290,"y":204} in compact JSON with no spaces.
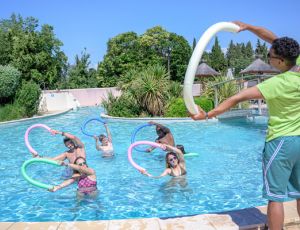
{"x":281,"y":168}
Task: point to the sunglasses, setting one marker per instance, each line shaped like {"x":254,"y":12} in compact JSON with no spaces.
{"x":274,"y":57}
{"x":172,"y":159}
{"x":82,"y":163}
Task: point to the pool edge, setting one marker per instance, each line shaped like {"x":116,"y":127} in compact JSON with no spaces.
{"x":205,"y":221}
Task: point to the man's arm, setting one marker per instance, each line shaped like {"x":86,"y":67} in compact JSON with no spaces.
{"x":60,"y":157}
{"x":164,"y":128}
{"x":246,"y":94}
{"x":261,"y":32}
{"x":76,"y":140}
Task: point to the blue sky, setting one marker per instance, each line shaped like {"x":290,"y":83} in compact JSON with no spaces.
{"x":90,"y":23}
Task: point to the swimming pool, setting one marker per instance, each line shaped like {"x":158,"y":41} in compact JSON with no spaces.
{"x":225,"y":176}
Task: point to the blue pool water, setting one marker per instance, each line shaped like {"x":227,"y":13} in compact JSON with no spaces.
{"x":225,"y":176}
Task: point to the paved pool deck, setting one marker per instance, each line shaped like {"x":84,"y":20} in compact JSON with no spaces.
{"x":246,"y":219}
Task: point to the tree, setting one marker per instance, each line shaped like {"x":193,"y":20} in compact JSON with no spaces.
{"x":239,"y":56}
{"x":217,"y":58}
{"x":261,"y":51}
{"x":179,"y":57}
{"x":29,"y":97}
{"x":129,"y":51}
{"x":80,"y":75}
{"x":123,"y":54}
{"x":35,"y":53}
{"x":194,"y":43}
{"x":9,"y":82}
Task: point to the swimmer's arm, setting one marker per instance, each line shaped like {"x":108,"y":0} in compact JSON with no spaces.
{"x":74,"y":138}
{"x":87,"y":171}
{"x":108,"y":133}
{"x":165,"y":173}
{"x":177,"y":151}
{"x":98,"y":146}
{"x":60,"y":157}
{"x":62,"y":185}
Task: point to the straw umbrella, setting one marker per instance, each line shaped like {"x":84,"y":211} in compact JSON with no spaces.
{"x":204,"y":73}
{"x":258,"y":68}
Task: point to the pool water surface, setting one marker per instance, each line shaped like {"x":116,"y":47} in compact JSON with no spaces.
{"x":225,"y":176}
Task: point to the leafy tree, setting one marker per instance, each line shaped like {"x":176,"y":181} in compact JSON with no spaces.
{"x":130,"y":51}
{"x":80,"y":75}
{"x":29,"y":97}
{"x":9,"y":81}
{"x":35,"y":53}
{"x":123,"y":54}
{"x":180,"y":55}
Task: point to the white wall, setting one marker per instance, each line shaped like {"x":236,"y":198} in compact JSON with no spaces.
{"x":59,"y":100}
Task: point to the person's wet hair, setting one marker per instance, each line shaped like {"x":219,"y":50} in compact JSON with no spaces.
{"x":287,"y":48}
{"x":181,"y":147}
{"x":75,"y":162}
{"x":101,"y":137}
{"x":78,"y":159}
{"x":167,"y":158}
{"x":66,"y":139}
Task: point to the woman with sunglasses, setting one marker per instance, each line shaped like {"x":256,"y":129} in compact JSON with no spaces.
{"x":175,"y":163}
{"x":85,"y":177}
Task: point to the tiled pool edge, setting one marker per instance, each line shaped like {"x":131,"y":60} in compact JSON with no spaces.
{"x":205,"y":221}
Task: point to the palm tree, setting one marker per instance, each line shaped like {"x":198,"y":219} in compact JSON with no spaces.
{"x":151,"y":89}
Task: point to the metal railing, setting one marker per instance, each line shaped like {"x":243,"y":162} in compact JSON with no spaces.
{"x":239,"y":82}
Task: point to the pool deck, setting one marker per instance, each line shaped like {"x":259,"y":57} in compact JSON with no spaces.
{"x":246,"y":219}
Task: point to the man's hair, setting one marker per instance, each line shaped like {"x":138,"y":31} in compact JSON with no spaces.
{"x":287,"y":48}
{"x":66,"y":139}
{"x":101,"y":137}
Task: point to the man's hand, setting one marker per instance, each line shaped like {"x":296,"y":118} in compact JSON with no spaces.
{"x":243,"y":26}
{"x":200,"y":116}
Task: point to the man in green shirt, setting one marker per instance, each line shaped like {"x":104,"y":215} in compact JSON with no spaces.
{"x":281,"y":155}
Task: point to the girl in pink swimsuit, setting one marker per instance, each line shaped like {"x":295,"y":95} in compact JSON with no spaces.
{"x":85,"y":177}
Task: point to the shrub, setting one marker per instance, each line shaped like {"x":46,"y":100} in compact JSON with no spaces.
{"x":123,"y":106}
{"x":9,"y":81}
{"x":11,"y":112}
{"x":177,"y":107}
{"x":29,"y":97}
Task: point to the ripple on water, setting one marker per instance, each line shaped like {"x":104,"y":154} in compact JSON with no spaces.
{"x":225,"y":176}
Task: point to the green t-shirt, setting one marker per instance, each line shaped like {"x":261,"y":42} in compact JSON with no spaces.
{"x":298,"y":61}
{"x":282,"y":94}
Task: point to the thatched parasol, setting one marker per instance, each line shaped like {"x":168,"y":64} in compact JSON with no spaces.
{"x":205,"y":70}
{"x":259,"y":67}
